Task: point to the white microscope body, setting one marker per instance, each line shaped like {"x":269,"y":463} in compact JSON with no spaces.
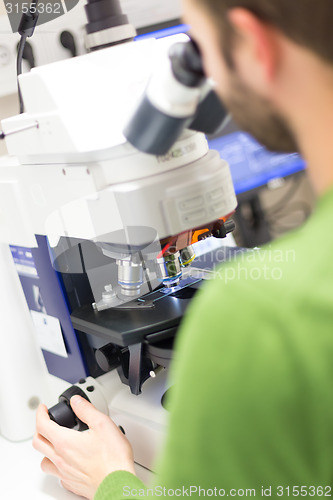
{"x":71,"y":172}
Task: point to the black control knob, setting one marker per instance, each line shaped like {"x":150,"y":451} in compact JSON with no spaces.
{"x":68,"y":42}
{"x":221,"y":232}
{"x":62,"y":412}
{"x":108,"y":357}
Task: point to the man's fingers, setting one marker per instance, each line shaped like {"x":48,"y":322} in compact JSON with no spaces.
{"x":45,"y":426}
{"x":49,"y":468}
{"x":86,"y":411}
{"x":41,"y":444}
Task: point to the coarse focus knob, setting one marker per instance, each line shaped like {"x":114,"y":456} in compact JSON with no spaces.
{"x":62,"y":413}
{"x":107,"y":357}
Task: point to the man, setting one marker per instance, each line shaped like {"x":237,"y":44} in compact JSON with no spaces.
{"x":252,"y":408}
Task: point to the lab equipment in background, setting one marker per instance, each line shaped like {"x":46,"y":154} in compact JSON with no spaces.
{"x":65,"y":36}
{"x":258,"y":173}
{"x":59,"y":39}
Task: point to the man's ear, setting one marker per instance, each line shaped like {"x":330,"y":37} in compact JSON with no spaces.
{"x":256,"y":50}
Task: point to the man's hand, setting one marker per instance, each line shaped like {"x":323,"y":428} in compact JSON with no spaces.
{"x":81,"y":460}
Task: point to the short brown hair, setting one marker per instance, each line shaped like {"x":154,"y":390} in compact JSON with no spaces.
{"x":306,"y":22}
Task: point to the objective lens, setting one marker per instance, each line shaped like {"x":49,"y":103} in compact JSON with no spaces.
{"x":187,"y":256}
{"x":130,"y":277}
{"x":169,"y":270}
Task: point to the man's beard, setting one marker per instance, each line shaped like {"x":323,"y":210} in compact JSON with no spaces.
{"x":255,"y":115}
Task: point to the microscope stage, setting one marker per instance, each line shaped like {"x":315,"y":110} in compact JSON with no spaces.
{"x":157,"y":314}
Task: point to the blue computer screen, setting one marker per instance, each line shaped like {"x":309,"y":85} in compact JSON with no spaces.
{"x":251,"y":164}
{"x":173,"y":30}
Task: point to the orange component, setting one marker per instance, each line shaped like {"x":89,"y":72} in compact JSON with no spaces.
{"x":176,"y":243}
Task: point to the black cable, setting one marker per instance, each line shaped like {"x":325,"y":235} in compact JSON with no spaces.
{"x":26,"y":29}
{"x":19,"y":60}
{"x":20,"y":51}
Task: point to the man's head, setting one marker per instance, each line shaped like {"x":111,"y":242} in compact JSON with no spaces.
{"x":254,"y":49}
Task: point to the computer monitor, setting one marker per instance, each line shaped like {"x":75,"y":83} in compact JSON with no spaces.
{"x":169,"y":28}
{"x":252,"y":166}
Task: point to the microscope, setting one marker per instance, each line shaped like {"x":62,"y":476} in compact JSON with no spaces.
{"x":107,"y":189}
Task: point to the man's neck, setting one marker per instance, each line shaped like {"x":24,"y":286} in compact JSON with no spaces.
{"x":316,"y":144}
{"x":311,"y":115}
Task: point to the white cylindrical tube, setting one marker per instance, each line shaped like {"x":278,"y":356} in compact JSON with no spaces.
{"x":23,"y":374}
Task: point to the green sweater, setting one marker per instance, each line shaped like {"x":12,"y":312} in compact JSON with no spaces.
{"x":252,"y":405}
